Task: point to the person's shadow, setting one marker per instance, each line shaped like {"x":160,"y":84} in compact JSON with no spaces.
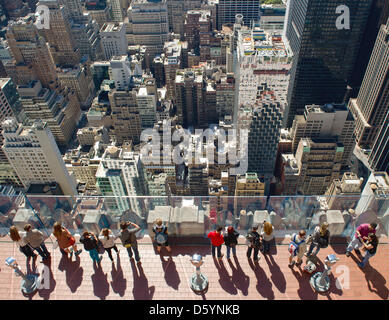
{"x":276,"y":274}
{"x":264,"y":285}
{"x":376,"y":282}
{"x":118,"y":283}
{"x":100,"y":282}
{"x":171,"y":275}
{"x":305,"y":291}
{"x":225,"y":279}
{"x":239,"y":278}
{"x":73,"y":272}
{"x":141,"y":290}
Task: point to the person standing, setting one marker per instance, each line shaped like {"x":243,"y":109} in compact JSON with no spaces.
{"x":108,"y":241}
{"x":253,"y":243}
{"x":319,"y":239}
{"x":267,"y":235}
{"x":89,"y":240}
{"x":24,"y":247}
{"x":216,"y":242}
{"x":370,"y":247}
{"x":231,"y":241}
{"x":128,"y":238}
{"x":361,"y":234}
{"x":297,"y":247}
{"x":36,"y":240}
{"x":161,"y":236}
{"x":65,"y":240}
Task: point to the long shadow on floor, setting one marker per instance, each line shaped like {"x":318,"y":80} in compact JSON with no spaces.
{"x":276,"y":274}
{"x":118,"y":283}
{"x":264,"y":286}
{"x":141,"y":290}
{"x":100,"y":282}
{"x":305,"y":291}
{"x":376,"y":282}
{"x":189,"y":250}
{"x":239,"y":278}
{"x":225,"y":279}
{"x":73,"y":272}
{"x":171,"y":275}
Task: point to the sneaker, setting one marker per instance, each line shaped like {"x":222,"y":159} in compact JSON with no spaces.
{"x":348,"y":253}
{"x":78,"y":252}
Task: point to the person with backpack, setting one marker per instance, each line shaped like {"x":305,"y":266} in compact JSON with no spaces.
{"x":361,"y":234}
{"x":36,"y":240}
{"x":128,"y":239}
{"x":217,"y":240}
{"x":65,"y":240}
{"x":370,"y":246}
{"x":108,"y":242}
{"x":89,"y":240}
{"x":161,"y":236}
{"x":297,"y":247}
{"x":319,"y":239}
{"x":253,"y":243}
{"x":231,"y":240}
{"x":267,"y":236}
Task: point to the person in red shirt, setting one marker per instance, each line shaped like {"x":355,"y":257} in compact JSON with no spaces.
{"x":361,"y":234}
{"x":216,"y":241}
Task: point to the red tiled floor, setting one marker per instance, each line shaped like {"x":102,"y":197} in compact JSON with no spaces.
{"x":237,"y":279}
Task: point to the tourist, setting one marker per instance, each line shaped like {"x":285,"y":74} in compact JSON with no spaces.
{"x":253,"y":243}
{"x":161,"y":236}
{"x":108,"y":241}
{"x":319,"y":239}
{"x":24,"y":247}
{"x":267,"y":236}
{"x":36,"y":240}
{"x":216,"y":242}
{"x":231,"y":241}
{"x":297,"y":247}
{"x":128,"y":238}
{"x":370,"y":247}
{"x":360,"y":234}
{"x":65,"y":240}
{"x":89,"y":240}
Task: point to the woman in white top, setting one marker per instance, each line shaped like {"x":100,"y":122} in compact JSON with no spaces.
{"x":267,"y":236}
{"x":108,"y":241}
{"x":19,"y":239}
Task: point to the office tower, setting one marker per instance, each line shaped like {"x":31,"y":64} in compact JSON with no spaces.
{"x":15,"y":8}
{"x":272,"y":16}
{"x":197,"y":24}
{"x":5,"y":51}
{"x":117,"y":11}
{"x":326,"y":121}
{"x":120,"y":176}
{"x":225,"y":95}
{"x":379,"y":156}
{"x":32,"y":57}
{"x":344,"y":194}
{"x":10,"y":104}
{"x":177,"y":10}
{"x":324,"y":56}
{"x":173,"y":60}
{"x":121,"y":72}
{"x":113,"y":39}
{"x":148,"y":26}
{"x":319,"y":162}
{"x":78,"y":79}
{"x":60,"y":112}
{"x":158,"y":70}
{"x":3,"y":16}
{"x":59,"y":36}
{"x":372,"y":104}
{"x":228,"y":9}
{"x":146,"y":99}
{"x":248,"y":186}
{"x":74,"y":9}
{"x":379,"y":13}
{"x":33,"y":153}
{"x":99,"y":11}
{"x":88,"y":136}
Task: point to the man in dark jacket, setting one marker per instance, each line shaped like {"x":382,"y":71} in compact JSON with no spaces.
{"x":253,"y":242}
{"x":231,"y":240}
{"x":128,"y":238}
{"x":89,"y":240}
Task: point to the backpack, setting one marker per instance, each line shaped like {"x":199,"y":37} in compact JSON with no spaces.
{"x":323,"y":241}
{"x":253,"y":240}
{"x":160,"y":236}
{"x":294,"y":246}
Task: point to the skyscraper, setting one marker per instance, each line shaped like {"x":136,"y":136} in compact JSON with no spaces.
{"x":228,"y":9}
{"x":325,"y":51}
{"x":113,"y":39}
{"x":372,"y":104}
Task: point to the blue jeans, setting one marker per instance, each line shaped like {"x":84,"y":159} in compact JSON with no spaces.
{"x":134,"y":247}
{"x":94,"y":255}
{"x":42,"y":250}
{"x":366,"y":258}
{"x":355,"y":243}
{"x":229,"y":250}
{"x":219,"y":251}
{"x":313,"y":245}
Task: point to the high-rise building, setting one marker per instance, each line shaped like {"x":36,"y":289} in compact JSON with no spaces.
{"x":146,"y":99}
{"x":117,"y":10}
{"x":62,"y":45}
{"x":329,"y":120}
{"x":33,"y":153}
{"x":228,"y":9}
{"x":15,"y":8}
{"x":73,"y":9}
{"x":372,"y":104}
{"x":177,"y":10}
{"x":272,"y":16}
{"x":379,"y":156}
{"x":113,"y":39}
{"x":99,"y":10}
{"x":173,"y":61}
{"x":325,"y":51}
{"x":32,"y":57}
{"x":121,"y":72}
